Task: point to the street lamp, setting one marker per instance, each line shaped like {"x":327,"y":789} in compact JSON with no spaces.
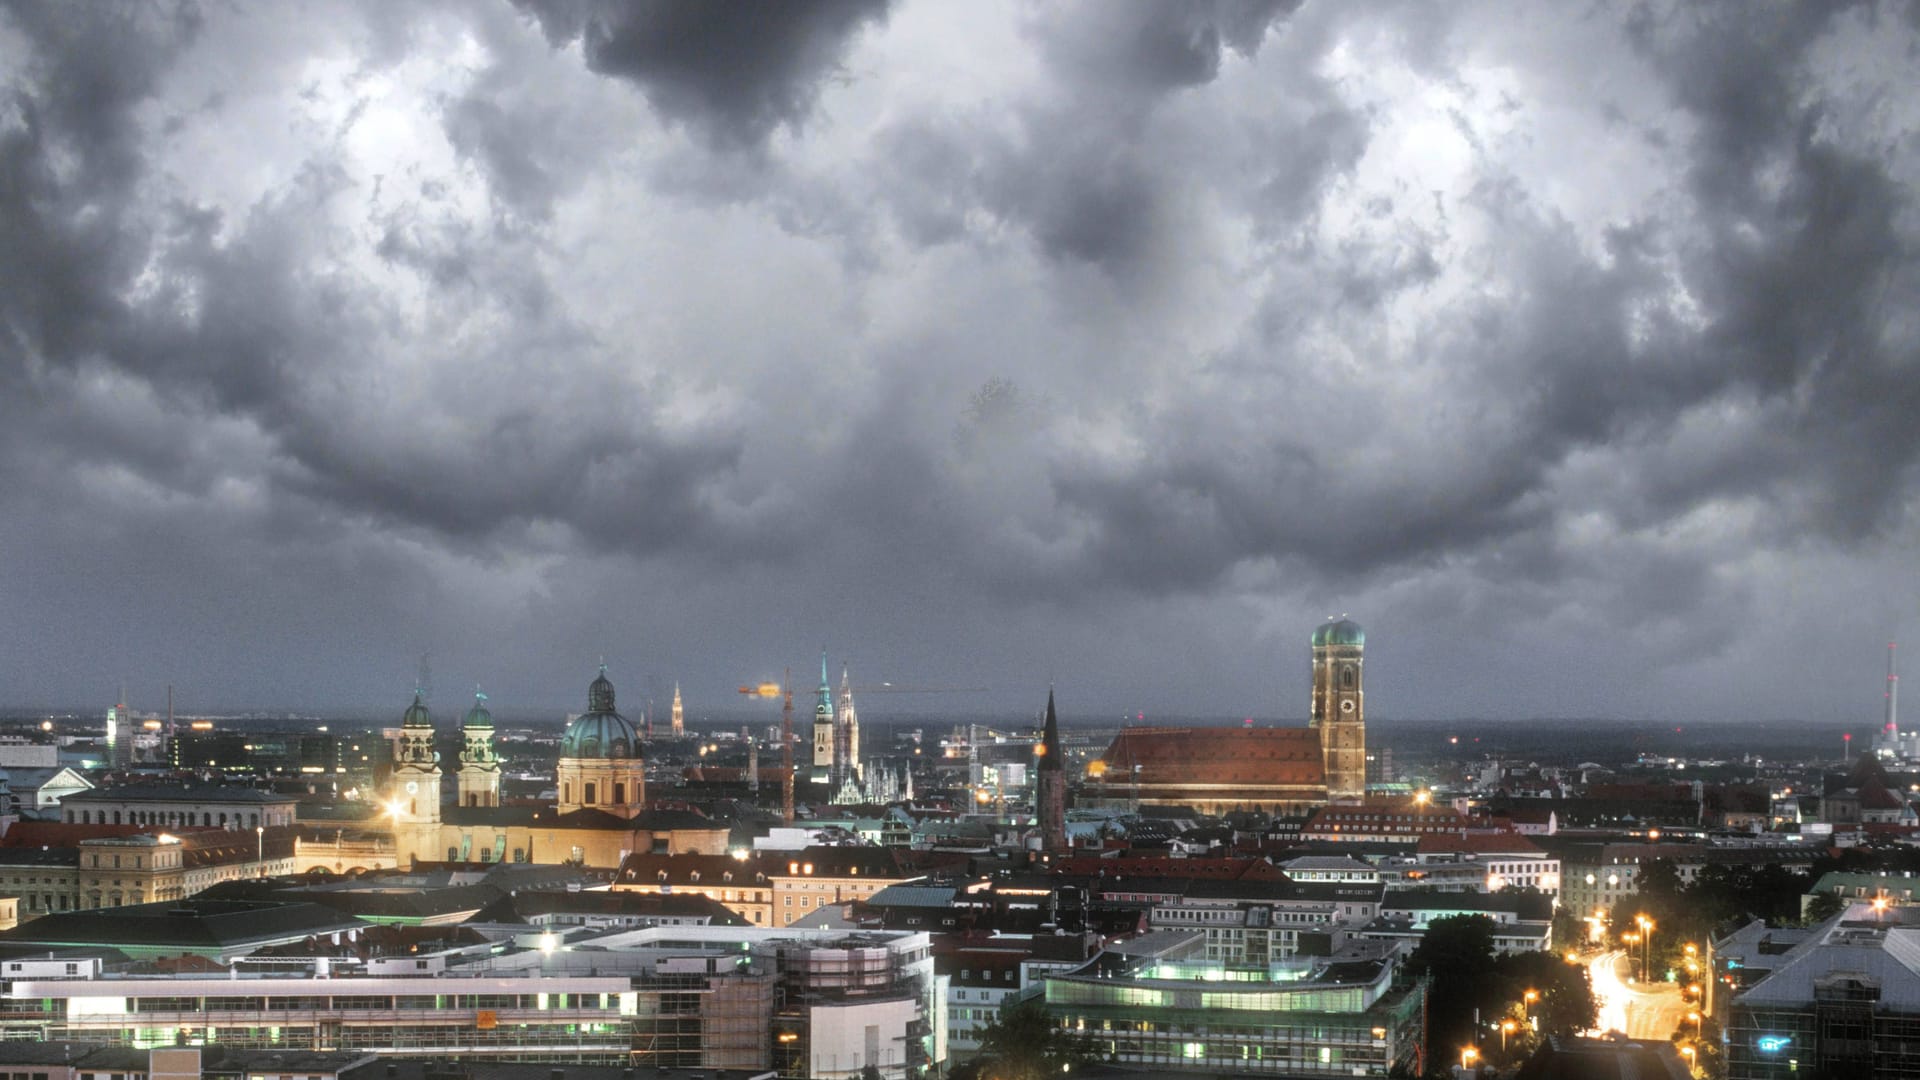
{"x":1467,"y":1056}
{"x":260,"y":838}
{"x":1507,"y":1027}
{"x":1690,"y":1052}
{"x":1646,"y":931}
{"x":1694,"y":1016}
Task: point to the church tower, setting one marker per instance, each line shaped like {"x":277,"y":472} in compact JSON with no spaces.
{"x":413,"y":794}
{"x":479,"y":777}
{"x":602,"y":763}
{"x":1050,"y":786}
{"x":823,"y":727}
{"x":679,"y":713}
{"x":846,"y":737}
{"x":1339,"y":707}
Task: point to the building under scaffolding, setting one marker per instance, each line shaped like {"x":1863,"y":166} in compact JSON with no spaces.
{"x":1843,"y":1002}
{"x":815,"y":1003}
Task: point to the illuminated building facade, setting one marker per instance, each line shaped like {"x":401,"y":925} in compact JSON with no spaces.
{"x":1346,"y":1015}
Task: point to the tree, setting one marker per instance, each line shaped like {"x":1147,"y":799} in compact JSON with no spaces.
{"x":1824,"y":906}
{"x":1457,"y":953}
{"x":1024,"y":1043}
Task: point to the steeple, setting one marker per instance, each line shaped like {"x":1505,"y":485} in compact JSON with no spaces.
{"x":1050,"y":785}
{"x":846,"y":736}
{"x":679,"y":713}
{"x":1049,"y":750}
{"x":479,"y":777}
{"x":823,"y":729}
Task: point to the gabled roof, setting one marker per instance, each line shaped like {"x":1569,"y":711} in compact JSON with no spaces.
{"x":184,"y":924}
{"x":178,"y":793}
{"x":521,"y":906}
{"x":1259,"y":756}
{"x":1852,"y":946}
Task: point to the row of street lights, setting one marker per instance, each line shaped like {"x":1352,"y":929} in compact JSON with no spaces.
{"x":1471,"y":1054}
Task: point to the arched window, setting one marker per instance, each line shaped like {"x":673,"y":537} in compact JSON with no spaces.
{"x":1346,"y":678}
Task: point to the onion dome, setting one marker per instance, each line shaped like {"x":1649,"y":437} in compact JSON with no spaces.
{"x":478,"y":716}
{"x":417,"y":715}
{"x":1341,"y":632}
{"x":600,"y":732}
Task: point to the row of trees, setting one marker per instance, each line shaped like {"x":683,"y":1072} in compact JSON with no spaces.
{"x":1474,"y":990}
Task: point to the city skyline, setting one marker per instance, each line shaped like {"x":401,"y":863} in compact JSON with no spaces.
{"x":1105,"y":346}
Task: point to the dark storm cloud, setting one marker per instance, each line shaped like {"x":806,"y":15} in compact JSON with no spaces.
{"x":269,"y":325}
{"x":1086,"y":170}
{"x":1162,"y":326}
{"x":1149,"y":48}
{"x":736,"y":71}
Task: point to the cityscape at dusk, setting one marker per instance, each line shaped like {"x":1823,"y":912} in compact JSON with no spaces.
{"x":899,"y":539}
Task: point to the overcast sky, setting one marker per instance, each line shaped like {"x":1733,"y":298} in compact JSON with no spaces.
{"x":1573,"y":349}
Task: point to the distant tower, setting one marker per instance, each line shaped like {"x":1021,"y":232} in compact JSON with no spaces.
{"x":479,"y":769}
{"x":846,"y":737}
{"x":1339,"y":707}
{"x":753,"y":766}
{"x":823,"y":727}
{"x":1893,"y":696}
{"x":602,"y":763}
{"x":413,"y":798}
{"x":120,"y":733}
{"x":679,"y":713}
{"x":1050,"y":786}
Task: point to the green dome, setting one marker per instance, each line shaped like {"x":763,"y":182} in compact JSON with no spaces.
{"x":600,"y":732}
{"x":478,"y":716}
{"x":417,"y":715}
{"x":1343,"y":632}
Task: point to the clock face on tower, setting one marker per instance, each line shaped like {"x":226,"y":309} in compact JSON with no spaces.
{"x":1346,"y":706}
{"x":413,"y":787}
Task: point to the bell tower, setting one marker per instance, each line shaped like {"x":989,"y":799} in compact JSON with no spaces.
{"x":1339,"y":707}
{"x":413,"y":794}
{"x":479,"y":776}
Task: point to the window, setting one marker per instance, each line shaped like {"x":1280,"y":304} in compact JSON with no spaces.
{"x":619,"y":794}
{"x":589,"y":796}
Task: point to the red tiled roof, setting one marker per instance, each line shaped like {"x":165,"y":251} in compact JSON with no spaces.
{"x":1241,"y":869}
{"x":1216,"y":756}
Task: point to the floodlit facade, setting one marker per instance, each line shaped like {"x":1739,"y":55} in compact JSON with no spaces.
{"x":1350,"y":1015}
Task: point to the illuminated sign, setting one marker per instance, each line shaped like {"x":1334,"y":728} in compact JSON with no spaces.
{"x":1773,"y":1044}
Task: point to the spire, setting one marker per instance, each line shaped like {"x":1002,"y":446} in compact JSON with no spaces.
{"x":1050,"y":756}
{"x":823,"y":710}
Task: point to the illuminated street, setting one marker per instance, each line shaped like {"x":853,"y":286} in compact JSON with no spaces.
{"x":1640,"y":1012}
